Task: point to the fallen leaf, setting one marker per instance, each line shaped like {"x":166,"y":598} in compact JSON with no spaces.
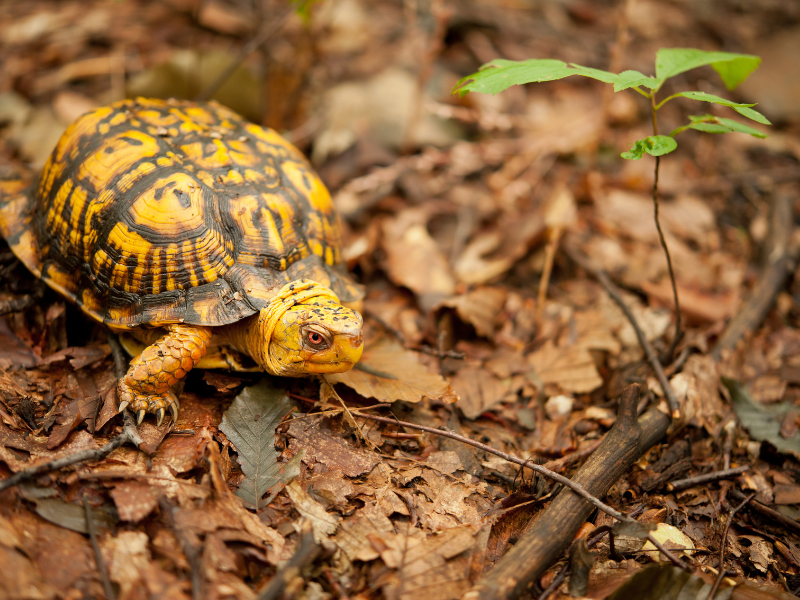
{"x":134,"y":500}
{"x":478,"y":390}
{"x":667,"y":582}
{"x":250,"y":424}
{"x":570,"y":367}
{"x":408,"y":380}
{"x":414,"y":260}
{"x":671,"y":537}
{"x":323,"y":523}
{"x":319,"y":446}
{"x":480,"y":308}
{"x":762,"y":423}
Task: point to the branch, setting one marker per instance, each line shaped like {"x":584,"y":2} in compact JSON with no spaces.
{"x":781,"y":257}
{"x":613,"y":291}
{"x":553,"y":531}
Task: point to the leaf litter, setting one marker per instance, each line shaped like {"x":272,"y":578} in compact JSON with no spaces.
{"x":452,"y":241}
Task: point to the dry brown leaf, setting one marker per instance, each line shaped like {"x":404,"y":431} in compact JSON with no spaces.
{"x":134,"y":500}
{"x":479,"y":307}
{"x":410,"y":380}
{"x":570,"y":367}
{"x":357,"y":536}
{"x":414,"y":260}
{"x":323,"y":523}
{"x":478,"y":390}
{"x":671,"y":537}
{"x":428,"y":567}
{"x":331,"y":451}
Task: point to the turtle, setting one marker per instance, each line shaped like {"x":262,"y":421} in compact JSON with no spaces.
{"x":196,"y":232}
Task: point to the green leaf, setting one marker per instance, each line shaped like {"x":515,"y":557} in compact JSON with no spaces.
{"x":733,"y":68}
{"x":501,"y":74}
{"x":748,"y":112}
{"x":762,"y":422}
{"x":629,"y":79}
{"x":713,"y":124}
{"x":740,"y":127}
{"x":249,"y":424}
{"x":735,"y":71}
{"x":655,"y":145}
{"x":704,"y":97}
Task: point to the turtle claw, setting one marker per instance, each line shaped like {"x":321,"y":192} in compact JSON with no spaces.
{"x":122,"y":406}
{"x":159,"y":416}
{"x":140,"y":417}
{"x":173,"y":408}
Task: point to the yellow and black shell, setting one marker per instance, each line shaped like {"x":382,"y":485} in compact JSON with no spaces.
{"x":150,"y":212}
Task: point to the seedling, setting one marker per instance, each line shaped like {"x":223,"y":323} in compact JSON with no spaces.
{"x":500,"y":74}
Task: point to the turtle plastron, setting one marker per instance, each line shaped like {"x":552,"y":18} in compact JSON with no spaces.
{"x":147,"y":386}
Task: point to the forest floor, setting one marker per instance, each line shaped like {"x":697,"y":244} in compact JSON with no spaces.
{"x":469,"y":220}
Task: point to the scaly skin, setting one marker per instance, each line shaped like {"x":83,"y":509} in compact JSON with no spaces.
{"x":303,"y":331}
{"x":147,"y":386}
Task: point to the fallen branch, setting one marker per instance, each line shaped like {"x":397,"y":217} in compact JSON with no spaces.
{"x":553,"y":531}
{"x":781,"y":258}
{"x":613,"y":291}
{"x":129,"y":434}
{"x":682,"y":484}
{"x":565,"y":481}
{"x":722,"y":544}
{"x":769,"y":512}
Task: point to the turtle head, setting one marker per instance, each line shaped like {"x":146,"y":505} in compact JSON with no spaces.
{"x":305,"y":331}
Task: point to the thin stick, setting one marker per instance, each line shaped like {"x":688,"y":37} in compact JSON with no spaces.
{"x":721,"y":573}
{"x":612,"y":290}
{"x":98,"y":556}
{"x":66,"y":461}
{"x":787,"y":522}
{"x":306,"y":552}
{"x":682,"y":484}
{"x":575,"y":487}
{"x":189,"y":549}
{"x":262,"y":36}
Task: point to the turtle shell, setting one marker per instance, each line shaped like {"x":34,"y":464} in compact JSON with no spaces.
{"x":150,"y":212}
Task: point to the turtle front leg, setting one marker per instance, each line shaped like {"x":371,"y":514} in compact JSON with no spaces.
{"x":147,"y":386}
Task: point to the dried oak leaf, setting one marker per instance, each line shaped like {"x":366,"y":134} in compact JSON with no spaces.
{"x":250,"y":424}
{"x":389,"y":372}
{"x":322,"y":522}
{"x":478,"y":390}
{"x":479,"y":307}
{"x":435,"y":567}
{"x":134,"y":500}
{"x":570,"y":367}
{"x":331,"y":451}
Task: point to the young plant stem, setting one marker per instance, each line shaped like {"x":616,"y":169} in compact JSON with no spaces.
{"x":667,"y":357}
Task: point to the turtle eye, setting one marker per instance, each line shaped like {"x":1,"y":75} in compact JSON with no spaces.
{"x":316,"y":339}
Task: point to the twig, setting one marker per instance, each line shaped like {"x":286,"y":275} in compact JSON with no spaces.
{"x":770,"y":512}
{"x":189,"y":549}
{"x":306,"y":552}
{"x":575,"y":487}
{"x":267,"y":30}
{"x":401,"y":338}
{"x":66,"y":461}
{"x":682,"y":484}
{"x":722,"y":544}
{"x":612,"y":290}
{"x":98,"y":556}
{"x":781,"y":256}
{"x":550,"y":535}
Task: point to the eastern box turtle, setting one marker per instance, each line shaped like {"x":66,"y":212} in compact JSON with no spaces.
{"x":182,"y":216}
